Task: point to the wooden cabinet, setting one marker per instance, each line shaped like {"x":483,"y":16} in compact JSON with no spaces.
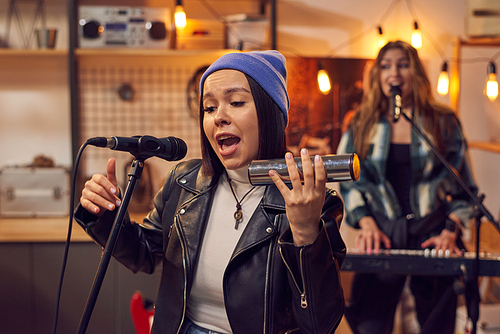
{"x":31,"y":258}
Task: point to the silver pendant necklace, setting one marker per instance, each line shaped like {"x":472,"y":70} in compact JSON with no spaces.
{"x":238,"y":214}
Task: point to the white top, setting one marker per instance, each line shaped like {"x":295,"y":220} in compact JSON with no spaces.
{"x":205,"y":305}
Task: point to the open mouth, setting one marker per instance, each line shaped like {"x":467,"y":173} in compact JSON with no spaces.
{"x":226,"y":143}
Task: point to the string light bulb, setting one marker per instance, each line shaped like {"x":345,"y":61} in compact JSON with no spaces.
{"x":416,"y":36}
{"x":180,"y":16}
{"x":381,"y":40}
{"x":443,"y":80}
{"x":491,"y":88}
{"x":323,"y":80}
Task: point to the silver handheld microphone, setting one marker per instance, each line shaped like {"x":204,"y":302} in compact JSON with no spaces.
{"x":342,"y":167}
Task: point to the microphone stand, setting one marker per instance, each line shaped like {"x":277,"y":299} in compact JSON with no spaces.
{"x":134,"y":176}
{"x":135,"y":173}
{"x":472,"y":288}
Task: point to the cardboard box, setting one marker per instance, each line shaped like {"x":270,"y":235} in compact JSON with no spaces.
{"x":201,"y":35}
{"x":249,"y":33}
{"x":34,"y":192}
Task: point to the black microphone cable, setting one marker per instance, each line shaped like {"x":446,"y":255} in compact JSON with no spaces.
{"x":68,"y":238}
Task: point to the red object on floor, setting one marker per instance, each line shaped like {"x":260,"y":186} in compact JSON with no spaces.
{"x":142,"y":312}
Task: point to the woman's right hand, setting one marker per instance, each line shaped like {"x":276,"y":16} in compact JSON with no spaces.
{"x":371,"y":237}
{"x":100,"y":192}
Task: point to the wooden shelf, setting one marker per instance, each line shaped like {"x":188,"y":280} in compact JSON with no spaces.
{"x":486,"y":146}
{"x":41,"y":229}
{"x":482,"y":41}
{"x":33,"y":53}
{"x":123,"y":57}
{"x":148,"y":52}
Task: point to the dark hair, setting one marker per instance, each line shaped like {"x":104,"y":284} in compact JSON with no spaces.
{"x":272,"y":138}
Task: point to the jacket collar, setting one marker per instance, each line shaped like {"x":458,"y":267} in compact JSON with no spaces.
{"x":263,"y":221}
{"x":196,"y":182}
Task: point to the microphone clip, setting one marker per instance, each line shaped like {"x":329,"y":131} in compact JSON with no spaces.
{"x":147,"y":147}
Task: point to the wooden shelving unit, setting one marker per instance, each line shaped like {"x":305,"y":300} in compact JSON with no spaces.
{"x":455,"y":82}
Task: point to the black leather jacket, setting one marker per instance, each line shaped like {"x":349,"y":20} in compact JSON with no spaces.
{"x":270,"y":285}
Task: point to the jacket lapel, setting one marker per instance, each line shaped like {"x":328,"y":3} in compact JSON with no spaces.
{"x":263,"y":223}
{"x":193,"y":209}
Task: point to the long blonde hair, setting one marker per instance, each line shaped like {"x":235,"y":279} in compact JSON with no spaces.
{"x":375,"y":104}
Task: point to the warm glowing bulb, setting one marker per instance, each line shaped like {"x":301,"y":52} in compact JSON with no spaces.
{"x":443,"y":83}
{"x":180,"y":17}
{"x":416,"y":37}
{"x":443,"y":80}
{"x":381,"y":40}
{"x":492,"y":87}
{"x":324,"y":82}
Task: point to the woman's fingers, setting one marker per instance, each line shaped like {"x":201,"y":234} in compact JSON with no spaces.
{"x":111,"y":173}
{"x":319,"y":172}
{"x":307,"y":170}
{"x":100,"y":192}
{"x":293,"y":171}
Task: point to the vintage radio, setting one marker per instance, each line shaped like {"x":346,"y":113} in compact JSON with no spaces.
{"x":123,"y":27}
{"x":34,"y":192}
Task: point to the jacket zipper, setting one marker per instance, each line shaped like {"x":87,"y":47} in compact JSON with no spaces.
{"x":303,"y":296}
{"x":185,"y":273}
{"x":268,"y":264}
{"x":266,"y":292}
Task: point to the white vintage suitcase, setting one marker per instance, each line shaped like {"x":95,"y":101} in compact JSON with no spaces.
{"x":34,"y":192}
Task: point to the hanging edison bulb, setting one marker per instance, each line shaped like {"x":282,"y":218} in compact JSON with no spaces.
{"x":416,"y":36}
{"x":443,"y":80}
{"x":323,"y":80}
{"x":180,"y":16}
{"x":491,"y":88}
{"x":381,"y":40}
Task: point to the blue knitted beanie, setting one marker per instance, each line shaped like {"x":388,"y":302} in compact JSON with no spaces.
{"x":267,"y":68}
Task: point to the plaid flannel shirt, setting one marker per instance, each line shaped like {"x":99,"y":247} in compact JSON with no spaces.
{"x":432,"y":185}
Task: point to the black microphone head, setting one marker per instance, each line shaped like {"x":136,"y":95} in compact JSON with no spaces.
{"x":178,"y":149}
{"x":395,"y":90}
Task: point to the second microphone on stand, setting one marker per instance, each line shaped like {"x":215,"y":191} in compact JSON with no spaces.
{"x":396,"y":102}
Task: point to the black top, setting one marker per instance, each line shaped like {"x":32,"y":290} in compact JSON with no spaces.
{"x":398,"y":173}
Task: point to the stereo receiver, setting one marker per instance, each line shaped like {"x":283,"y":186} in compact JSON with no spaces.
{"x":125,"y":27}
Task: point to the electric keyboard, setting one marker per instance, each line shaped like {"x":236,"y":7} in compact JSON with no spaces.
{"x":421,"y":262}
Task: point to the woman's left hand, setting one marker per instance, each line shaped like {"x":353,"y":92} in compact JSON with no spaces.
{"x":447,"y":240}
{"x":304,"y":202}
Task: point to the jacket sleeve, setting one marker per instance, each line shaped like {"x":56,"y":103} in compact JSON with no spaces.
{"x":458,"y":157}
{"x":313,"y":272}
{"x":353,"y":192}
{"x":139,"y":246}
